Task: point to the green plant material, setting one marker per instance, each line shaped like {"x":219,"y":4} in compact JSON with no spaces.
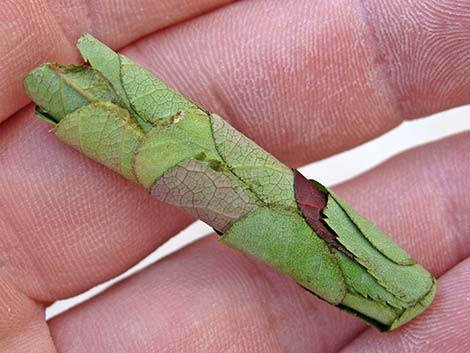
{"x":123,"y":117}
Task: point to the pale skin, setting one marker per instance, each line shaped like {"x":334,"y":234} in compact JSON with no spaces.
{"x":303,"y":80}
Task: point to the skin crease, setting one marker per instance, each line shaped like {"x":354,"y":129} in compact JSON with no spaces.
{"x":302,"y":88}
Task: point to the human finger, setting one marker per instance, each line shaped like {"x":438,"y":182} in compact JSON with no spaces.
{"x":220,"y":299}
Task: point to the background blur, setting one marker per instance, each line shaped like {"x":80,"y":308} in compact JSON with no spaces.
{"x":329,"y":171}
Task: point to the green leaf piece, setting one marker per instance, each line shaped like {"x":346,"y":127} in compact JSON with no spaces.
{"x":377,"y":238}
{"x":105,"y":133}
{"x":414,"y":310}
{"x":104,"y":60}
{"x":362,"y":283}
{"x":214,"y":196}
{"x":409,"y":283}
{"x":60,"y":90}
{"x":109,"y":63}
{"x":284,"y":240}
{"x":268,"y":178}
{"x":375,"y":313}
{"x":186,"y":136}
{"x":150,"y":97}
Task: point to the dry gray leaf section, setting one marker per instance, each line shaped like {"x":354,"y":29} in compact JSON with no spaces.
{"x":214,"y":196}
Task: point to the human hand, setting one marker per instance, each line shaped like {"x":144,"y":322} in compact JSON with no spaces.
{"x":322,"y":98}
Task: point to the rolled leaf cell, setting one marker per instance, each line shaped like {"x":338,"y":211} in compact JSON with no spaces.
{"x":122,"y":116}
